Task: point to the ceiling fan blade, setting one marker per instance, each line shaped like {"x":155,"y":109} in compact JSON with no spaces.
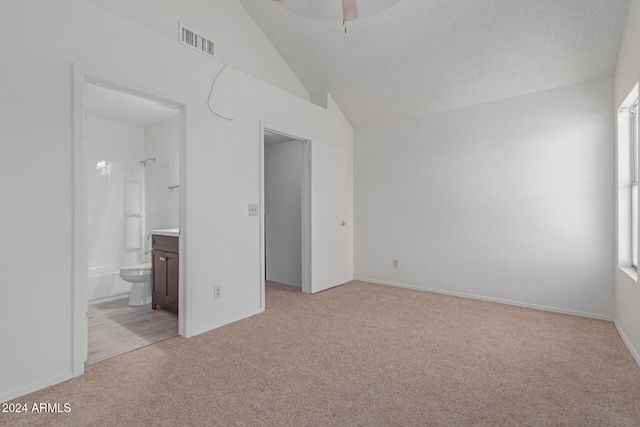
{"x":349,"y":10}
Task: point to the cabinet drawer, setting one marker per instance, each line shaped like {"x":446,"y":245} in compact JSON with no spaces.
{"x":165,"y":243}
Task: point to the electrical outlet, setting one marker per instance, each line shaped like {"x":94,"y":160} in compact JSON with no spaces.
{"x":394,"y":263}
{"x":217,"y":292}
{"x":253,"y":210}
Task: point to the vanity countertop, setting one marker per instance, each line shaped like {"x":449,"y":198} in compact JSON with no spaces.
{"x":172,"y":232}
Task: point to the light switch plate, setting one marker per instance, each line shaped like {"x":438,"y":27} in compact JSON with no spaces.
{"x":253,"y":210}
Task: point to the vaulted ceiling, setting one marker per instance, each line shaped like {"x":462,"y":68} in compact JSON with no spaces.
{"x":405,"y":58}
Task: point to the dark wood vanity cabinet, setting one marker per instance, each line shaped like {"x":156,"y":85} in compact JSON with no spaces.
{"x":164,"y":267}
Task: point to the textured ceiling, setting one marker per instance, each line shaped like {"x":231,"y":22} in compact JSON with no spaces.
{"x":405,"y":58}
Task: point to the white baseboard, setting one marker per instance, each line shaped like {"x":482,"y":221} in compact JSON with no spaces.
{"x":627,"y":342}
{"x":107,"y":299}
{"x":483,"y":298}
{"x":6,"y":396}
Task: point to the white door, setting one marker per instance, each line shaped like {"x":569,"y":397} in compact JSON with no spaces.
{"x":330,"y":227}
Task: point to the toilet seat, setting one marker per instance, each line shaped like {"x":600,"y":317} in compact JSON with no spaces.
{"x":142,"y":269}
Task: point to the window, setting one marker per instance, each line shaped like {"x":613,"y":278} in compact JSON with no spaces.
{"x":633,"y":139}
{"x":628,"y":183}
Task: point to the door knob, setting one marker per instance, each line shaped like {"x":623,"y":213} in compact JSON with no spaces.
{"x":343,"y":223}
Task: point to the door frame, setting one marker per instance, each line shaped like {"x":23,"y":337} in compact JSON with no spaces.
{"x":81,"y":77}
{"x":305,"y":208}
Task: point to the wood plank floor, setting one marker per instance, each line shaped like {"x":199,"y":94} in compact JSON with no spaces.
{"x":115,"y":328}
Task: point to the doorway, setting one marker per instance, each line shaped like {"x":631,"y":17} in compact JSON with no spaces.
{"x":283,"y":169}
{"x":128,"y":149}
{"x":132,"y":171}
{"x":326,"y":229}
{"x":285,"y":217}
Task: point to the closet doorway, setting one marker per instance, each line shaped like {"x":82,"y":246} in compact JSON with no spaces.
{"x":286,"y":210}
{"x":315,"y":245}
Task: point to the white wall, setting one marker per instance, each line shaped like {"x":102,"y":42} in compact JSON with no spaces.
{"x":221,"y":242}
{"x":509,"y":200}
{"x":627,"y":290}
{"x":162,"y":142}
{"x":121,"y":146}
{"x":283,"y":206}
{"x":226,"y":23}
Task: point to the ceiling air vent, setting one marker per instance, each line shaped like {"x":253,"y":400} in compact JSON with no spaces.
{"x":196,"y":41}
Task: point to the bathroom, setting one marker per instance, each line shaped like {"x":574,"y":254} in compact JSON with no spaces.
{"x":132,"y":187}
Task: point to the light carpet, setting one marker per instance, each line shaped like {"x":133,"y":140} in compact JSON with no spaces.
{"x":364,"y":355}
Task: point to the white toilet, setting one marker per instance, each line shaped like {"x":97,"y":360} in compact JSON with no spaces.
{"x":140,"y":276}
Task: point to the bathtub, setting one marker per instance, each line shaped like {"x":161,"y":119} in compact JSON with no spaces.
{"x":104,"y":284}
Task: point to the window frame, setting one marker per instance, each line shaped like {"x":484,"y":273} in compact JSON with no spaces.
{"x":633,"y":188}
